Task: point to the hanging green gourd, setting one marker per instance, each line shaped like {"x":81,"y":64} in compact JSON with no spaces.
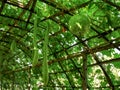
{"x":1,"y":59}
{"x":35,"y":57}
{"x":35,"y":50}
{"x":45,"y":58}
{"x":79,"y":24}
{"x":13,"y":46}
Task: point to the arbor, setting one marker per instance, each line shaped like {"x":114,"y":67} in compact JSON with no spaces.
{"x":74,"y":62}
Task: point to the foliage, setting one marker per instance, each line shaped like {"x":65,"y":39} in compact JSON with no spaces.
{"x":26,"y":54}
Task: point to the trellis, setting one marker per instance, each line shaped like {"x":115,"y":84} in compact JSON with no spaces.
{"x":71,"y":60}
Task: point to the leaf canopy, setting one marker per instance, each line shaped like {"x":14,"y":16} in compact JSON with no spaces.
{"x":74,"y":62}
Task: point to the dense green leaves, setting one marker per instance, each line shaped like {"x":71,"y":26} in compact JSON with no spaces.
{"x":28,"y":60}
{"x":116,"y":64}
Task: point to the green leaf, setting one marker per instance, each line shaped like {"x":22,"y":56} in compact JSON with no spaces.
{"x":34,"y":88}
{"x":98,"y":71}
{"x":116,"y":64}
{"x":36,"y":70}
{"x":108,"y":53}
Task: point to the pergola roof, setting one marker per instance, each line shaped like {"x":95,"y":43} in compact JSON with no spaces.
{"x":91,"y":62}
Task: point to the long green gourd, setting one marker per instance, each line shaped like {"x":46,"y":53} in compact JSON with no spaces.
{"x":13,"y":46}
{"x":45,"y":58}
{"x":35,"y":52}
{"x":34,"y":33}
